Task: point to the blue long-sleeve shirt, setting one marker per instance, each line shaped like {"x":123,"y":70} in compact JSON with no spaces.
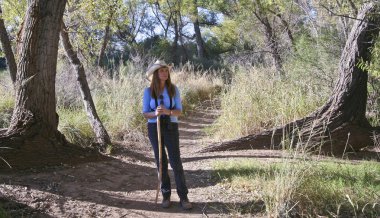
{"x":149,"y":103}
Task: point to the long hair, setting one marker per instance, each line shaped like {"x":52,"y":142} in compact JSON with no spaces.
{"x":155,"y":86}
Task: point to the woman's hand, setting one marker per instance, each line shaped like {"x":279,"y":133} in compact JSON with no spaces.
{"x":162,"y":110}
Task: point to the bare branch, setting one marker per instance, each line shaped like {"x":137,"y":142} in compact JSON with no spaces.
{"x":339,"y":15}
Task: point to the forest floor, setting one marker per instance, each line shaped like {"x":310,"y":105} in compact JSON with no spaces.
{"x":124,"y":183}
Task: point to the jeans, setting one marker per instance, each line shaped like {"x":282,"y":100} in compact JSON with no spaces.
{"x":170,"y":140}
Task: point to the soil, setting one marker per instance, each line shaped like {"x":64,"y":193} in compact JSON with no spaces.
{"x":124,"y":183}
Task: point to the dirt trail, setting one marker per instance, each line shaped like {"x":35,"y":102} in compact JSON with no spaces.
{"x":125,"y":184}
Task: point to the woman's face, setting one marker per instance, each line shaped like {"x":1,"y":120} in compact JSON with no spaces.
{"x":163,"y":73}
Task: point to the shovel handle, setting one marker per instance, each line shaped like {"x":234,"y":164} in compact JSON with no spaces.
{"x":159,"y":156}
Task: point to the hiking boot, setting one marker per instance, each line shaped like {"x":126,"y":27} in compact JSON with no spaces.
{"x":185,"y":204}
{"x":166,"y":202}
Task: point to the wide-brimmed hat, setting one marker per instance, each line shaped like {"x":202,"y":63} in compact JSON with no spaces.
{"x":157,"y":65}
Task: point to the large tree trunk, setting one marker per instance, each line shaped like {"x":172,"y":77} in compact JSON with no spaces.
{"x":7,"y":48}
{"x":340,"y":125}
{"x":101,"y":133}
{"x":32,"y":138}
{"x":35,"y":110}
{"x":34,"y":122}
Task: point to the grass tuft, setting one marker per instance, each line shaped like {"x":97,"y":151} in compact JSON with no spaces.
{"x":306,"y":188}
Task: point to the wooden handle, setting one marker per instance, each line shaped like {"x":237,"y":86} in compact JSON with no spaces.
{"x":159,"y":157}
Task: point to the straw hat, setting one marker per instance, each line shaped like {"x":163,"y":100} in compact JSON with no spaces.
{"x":157,"y":65}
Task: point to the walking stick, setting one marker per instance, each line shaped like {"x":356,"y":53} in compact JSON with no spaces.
{"x":160,"y":157}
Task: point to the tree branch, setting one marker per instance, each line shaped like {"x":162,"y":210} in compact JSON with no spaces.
{"x":340,"y":15}
{"x":353,"y":7}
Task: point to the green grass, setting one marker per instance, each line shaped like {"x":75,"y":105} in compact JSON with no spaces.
{"x":306,"y":188}
{"x":3,"y":213}
{"x":6,"y":99}
{"x":119,"y":105}
{"x":74,"y":124}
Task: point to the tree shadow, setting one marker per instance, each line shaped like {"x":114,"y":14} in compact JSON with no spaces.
{"x":372,"y":154}
{"x":214,"y":157}
{"x":107,"y":183}
{"x":10,"y":208}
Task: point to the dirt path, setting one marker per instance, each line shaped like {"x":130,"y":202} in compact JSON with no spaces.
{"x":125,"y":184}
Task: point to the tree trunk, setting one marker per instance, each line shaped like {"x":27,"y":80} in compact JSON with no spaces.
{"x":340,"y":125}
{"x":287,"y":27}
{"x":200,"y":44}
{"x":184,"y":53}
{"x":7,"y":48}
{"x":33,"y":128}
{"x":271,"y":39}
{"x":101,"y":133}
{"x":353,"y":6}
{"x":175,"y":41}
{"x":106,"y":39}
{"x":288,"y":30}
{"x":198,"y":36}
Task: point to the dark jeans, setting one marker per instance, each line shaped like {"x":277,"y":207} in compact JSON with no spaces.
{"x":170,"y":140}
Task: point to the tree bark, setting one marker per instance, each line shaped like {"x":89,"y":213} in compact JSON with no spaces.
{"x":184,"y":53}
{"x":288,"y":30}
{"x":353,"y":6}
{"x":106,"y":39}
{"x":7,"y":48}
{"x":175,"y":41}
{"x":33,"y":128}
{"x":200,"y":44}
{"x":339,"y":125}
{"x":287,"y":27}
{"x":198,"y":36}
{"x":101,"y":133}
{"x":272,"y":42}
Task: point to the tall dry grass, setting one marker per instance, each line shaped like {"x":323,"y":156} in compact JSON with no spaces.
{"x":256,"y":100}
{"x":197,"y":86}
{"x":118,"y":99}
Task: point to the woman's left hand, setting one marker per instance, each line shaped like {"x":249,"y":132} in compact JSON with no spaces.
{"x":162,"y":110}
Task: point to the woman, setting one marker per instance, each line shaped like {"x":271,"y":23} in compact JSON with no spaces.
{"x":162,"y":99}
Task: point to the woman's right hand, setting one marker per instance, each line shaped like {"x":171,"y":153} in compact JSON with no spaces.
{"x":157,"y":113}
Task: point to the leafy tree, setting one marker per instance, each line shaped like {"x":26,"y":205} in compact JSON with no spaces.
{"x":95,"y":23}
